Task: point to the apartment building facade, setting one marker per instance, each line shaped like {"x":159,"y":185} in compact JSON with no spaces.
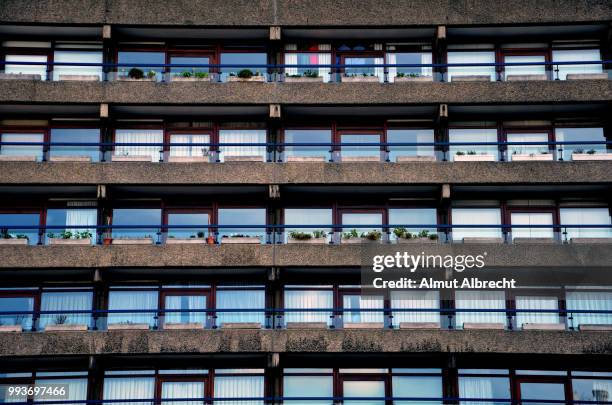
{"x":187,"y":190}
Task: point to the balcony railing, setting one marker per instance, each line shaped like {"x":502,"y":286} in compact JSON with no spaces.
{"x":317,"y":318}
{"x":157,"y":234}
{"x":336,"y":72}
{"x":211,"y":152}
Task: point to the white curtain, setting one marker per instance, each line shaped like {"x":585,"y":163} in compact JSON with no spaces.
{"x":471,"y":57}
{"x":357,"y":302}
{"x":577,"y":55}
{"x":527,"y":149}
{"x":239,"y":387}
{"x":536,"y":302}
{"x":586,"y":216}
{"x":139,"y":136}
{"x":26,"y":69}
{"x":476,"y":216}
{"x":476,"y":388}
{"x":426,"y":59}
{"x":392,"y":70}
{"x":185,"y":302}
{"x":65,"y":301}
{"x":22,"y":150}
{"x":126,"y":300}
{"x":245,"y":299}
{"x":311,"y":299}
{"x":77,"y":57}
{"x":325,"y":59}
{"x":243,"y":136}
{"x":525,"y":69}
{"x":532,"y":218}
{"x":480,"y":300}
{"x":182,"y":389}
{"x":590,"y":301}
{"x":129,"y":388}
{"x":291,"y":58}
{"x":76,"y":388}
{"x":75,"y":217}
{"x":189,"y":150}
{"x":415,"y":300}
{"x":364,"y":389}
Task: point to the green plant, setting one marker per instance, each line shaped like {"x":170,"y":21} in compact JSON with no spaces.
{"x":459,"y":153}
{"x":4,"y":234}
{"x":245,"y":74}
{"x":186,"y":74}
{"x":319,"y":234}
{"x":372,"y":235}
{"x":60,"y":319}
{"x":579,"y":150}
{"x":350,"y":234}
{"x":311,"y":73}
{"x":201,"y":75}
{"x":135,"y":73}
{"x":471,"y":152}
{"x":85,"y":235}
{"x":591,"y":151}
{"x":433,"y":236}
{"x":151,"y":74}
{"x":423,"y":234}
{"x":66,"y":235}
{"x":200,"y":234}
{"x":402,"y":233}
{"x":22,"y":236}
{"x":300,"y":235}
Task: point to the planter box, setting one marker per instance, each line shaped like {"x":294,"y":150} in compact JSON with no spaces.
{"x":70,"y":159}
{"x":303,"y":79}
{"x":591,"y":240}
{"x":13,"y":241}
{"x":247,"y":240}
{"x":188,"y":241}
{"x":183,"y":326}
{"x":406,"y":159}
{"x":244,"y":159}
{"x":419,"y":325}
{"x":471,"y":78}
{"x":17,"y":76}
{"x":188,"y":159}
{"x":254,"y":79}
{"x":79,"y":78}
{"x":130,"y":79}
{"x":134,"y":158}
{"x":309,"y":159}
{"x":241,"y":325}
{"x":529,"y":241}
{"x":61,"y":241}
{"x":360,"y":158}
{"x":532,"y":157}
{"x":413,"y":79}
{"x":543,"y":326}
{"x":128,"y":326}
{"x":476,"y":325}
{"x":190,"y":79}
{"x":363,"y":325}
{"x":133,"y":241}
{"x":306,"y":325}
{"x":416,"y":240}
{"x":516,"y":78}
{"x":9,"y":158}
{"x":359,"y":79}
{"x":594,"y":156}
{"x":587,"y":76}
{"x":311,"y":241}
{"x":586,"y":327}
{"x":356,"y":241}
{"x":10,"y":328}
{"x":476,"y":239}
{"x":66,"y":328}
{"x":474,"y":158}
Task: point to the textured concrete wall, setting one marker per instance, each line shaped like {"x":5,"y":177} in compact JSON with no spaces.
{"x":304,"y":13}
{"x":26,"y":91}
{"x":16,"y":173}
{"x":577,"y":257}
{"x":304,"y":341}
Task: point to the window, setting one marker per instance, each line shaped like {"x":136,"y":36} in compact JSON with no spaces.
{"x":142,"y":136}
{"x":413,"y":216}
{"x":366,"y":152}
{"x":138,"y":299}
{"x":16,"y":219}
{"x":307,"y":216}
{"x":585,"y":216}
{"x":487,"y":300}
{"x":70,"y":217}
{"x":308,"y":386}
{"x":310,"y":57}
{"x":589,"y":301}
{"x":354,"y":302}
{"x":321,"y":136}
{"x":471,"y":57}
{"x":305,"y":299}
{"x":35,"y":151}
{"x":355,"y":225}
{"x":65,"y":301}
{"x":76,"y":135}
{"x":520,"y":70}
{"x":543,"y":390}
{"x":136,"y":217}
{"x":579,"y":135}
{"x":242,"y":136}
{"x":189,"y":306}
{"x":188,"y":150}
{"x":76,"y":387}
{"x":59,"y":71}
{"x":234,"y":299}
{"x":483,"y":387}
{"x":475,"y":135}
{"x":518,"y":151}
{"x":598,"y":390}
{"x":129,"y":388}
{"x":363,"y":388}
{"x":182,"y":218}
{"x":354,"y":66}
{"x":182,"y":389}
{"x":409,"y":58}
{"x":576,"y":55}
{"x":538,"y":302}
{"x":243,"y":216}
{"x":415,"y":300}
{"x":192,"y":70}
{"x":138,"y":60}
{"x":253,"y":61}
{"x":38,"y":69}
{"x":532,"y":218}
{"x":17,"y":302}
{"x":416,"y":386}
{"x":230,"y":384}
{"x":410,"y":136}
{"x":476,"y":216}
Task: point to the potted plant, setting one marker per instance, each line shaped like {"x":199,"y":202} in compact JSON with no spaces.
{"x":128,"y":325}
{"x":7,"y":238}
{"x":472,"y":156}
{"x":70,"y":238}
{"x":353,"y":236}
{"x":411,"y":77}
{"x":309,"y":76}
{"x":316,"y":237}
{"x":203,"y":157}
{"x":197,"y":238}
{"x":246,"y":75}
{"x":364,"y":77}
{"x":59,"y":324}
{"x":541,"y":156}
{"x":238,"y":238}
{"x":591,"y":154}
{"x":188,"y":76}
